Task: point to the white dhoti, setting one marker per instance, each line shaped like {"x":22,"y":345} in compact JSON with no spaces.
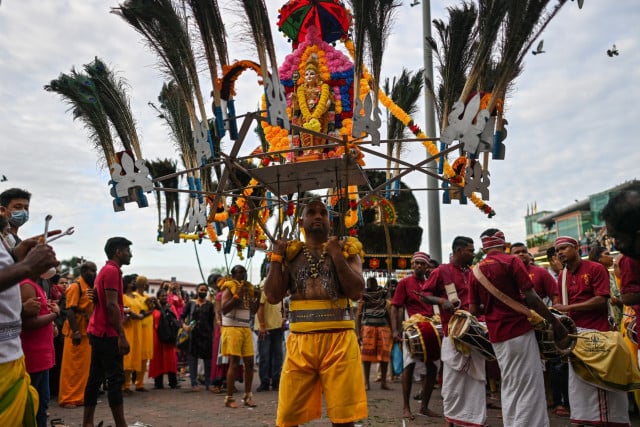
{"x":596,"y":406}
{"x":523,"y":396}
{"x":463,"y":386}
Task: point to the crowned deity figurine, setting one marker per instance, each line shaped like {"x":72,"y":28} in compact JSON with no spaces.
{"x":314,"y":106}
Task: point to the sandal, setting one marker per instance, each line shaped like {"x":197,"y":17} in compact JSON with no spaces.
{"x":248,"y":400}
{"x":58,"y":422}
{"x":560,"y":411}
{"x":230,"y":402}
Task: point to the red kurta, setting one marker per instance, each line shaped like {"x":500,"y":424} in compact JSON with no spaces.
{"x":164,"y":355}
{"x":589,"y":280}
{"x":508,"y":274}
{"x":543,"y":282}
{"x":406,"y":297}
{"x":443,"y":275}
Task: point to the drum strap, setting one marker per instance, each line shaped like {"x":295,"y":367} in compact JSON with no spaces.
{"x":565,"y":293}
{"x":516,"y":306}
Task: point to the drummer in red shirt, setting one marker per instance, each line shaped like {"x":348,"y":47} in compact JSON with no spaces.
{"x":463,"y":375}
{"x":510,"y":332}
{"x":406,"y":299}
{"x":584,"y":287}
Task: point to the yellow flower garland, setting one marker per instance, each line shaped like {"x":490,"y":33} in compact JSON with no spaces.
{"x":321,"y":106}
{"x":234,"y":286}
{"x":351,"y":247}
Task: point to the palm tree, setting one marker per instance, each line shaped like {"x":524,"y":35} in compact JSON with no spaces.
{"x":405,"y":92}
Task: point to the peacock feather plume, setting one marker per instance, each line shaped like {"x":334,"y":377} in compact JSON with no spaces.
{"x":115,"y":103}
{"x":79,"y":91}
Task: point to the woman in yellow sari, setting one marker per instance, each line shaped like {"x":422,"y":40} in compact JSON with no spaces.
{"x":134,"y":313}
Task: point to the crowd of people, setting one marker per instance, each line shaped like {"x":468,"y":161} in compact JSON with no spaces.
{"x":315,"y":327}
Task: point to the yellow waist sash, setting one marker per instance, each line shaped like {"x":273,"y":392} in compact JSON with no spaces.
{"x":320,"y":315}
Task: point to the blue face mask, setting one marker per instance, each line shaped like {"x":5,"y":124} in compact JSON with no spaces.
{"x":18,"y":218}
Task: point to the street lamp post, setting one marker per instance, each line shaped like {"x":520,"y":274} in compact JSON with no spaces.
{"x":433,"y":195}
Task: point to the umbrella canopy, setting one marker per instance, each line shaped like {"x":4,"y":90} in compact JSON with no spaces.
{"x":330,"y":17}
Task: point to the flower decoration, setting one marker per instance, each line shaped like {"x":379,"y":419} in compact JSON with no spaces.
{"x":352,"y":247}
{"x":374,"y":263}
{"x":234,"y":286}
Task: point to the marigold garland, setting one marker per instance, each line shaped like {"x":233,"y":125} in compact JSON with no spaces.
{"x":277,"y":137}
{"x":351,"y":247}
{"x":321,"y":106}
{"x":234,"y":286}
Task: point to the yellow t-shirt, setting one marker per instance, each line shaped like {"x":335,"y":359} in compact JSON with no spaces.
{"x":272,"y":314}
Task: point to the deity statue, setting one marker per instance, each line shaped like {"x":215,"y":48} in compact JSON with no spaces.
{"x":313,"y":106}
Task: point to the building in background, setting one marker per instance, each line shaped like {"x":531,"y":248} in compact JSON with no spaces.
{"x":580,"y":220}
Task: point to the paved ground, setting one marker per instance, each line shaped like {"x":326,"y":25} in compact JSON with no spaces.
{"x":177,"y":408}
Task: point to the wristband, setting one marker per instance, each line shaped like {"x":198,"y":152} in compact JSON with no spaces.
{"x":276,"y":258}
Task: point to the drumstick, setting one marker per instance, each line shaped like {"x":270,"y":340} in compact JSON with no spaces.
{"x":577,"y":336}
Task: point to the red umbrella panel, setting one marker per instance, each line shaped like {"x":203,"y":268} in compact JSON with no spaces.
{"x":331,"y":18}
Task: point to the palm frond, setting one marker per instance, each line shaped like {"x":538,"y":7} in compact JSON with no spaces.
{"x":79,"y":91}
{"x":115,"y":103}
{"x":405,"y":92}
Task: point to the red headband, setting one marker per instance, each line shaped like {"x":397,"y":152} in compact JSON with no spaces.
{"x":494,"y":241}
{"x":421,"y":256}
{"x":565,"y":240}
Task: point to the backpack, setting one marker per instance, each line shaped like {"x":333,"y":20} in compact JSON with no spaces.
{"x":168,"y":326}
{"x":62,"y":304}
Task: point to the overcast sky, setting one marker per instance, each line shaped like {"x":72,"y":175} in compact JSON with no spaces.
{"x":573,"y":123}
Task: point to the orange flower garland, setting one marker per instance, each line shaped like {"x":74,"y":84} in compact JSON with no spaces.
{"x":277,"y":137}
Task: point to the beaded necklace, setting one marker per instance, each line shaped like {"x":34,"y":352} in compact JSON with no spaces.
{"x":314,"y":264}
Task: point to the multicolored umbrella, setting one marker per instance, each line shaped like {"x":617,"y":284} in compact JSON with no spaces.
{"x":330,"y":17}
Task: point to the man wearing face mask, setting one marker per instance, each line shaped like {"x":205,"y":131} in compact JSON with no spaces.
{"x":14,"y":205}
{"x":76,"y":356}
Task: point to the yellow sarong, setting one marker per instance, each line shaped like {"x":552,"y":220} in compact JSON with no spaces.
{"x":19,"y":400}
{"x":604,"y":360}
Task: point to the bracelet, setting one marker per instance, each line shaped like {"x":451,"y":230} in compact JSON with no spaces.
{"x":275,"y":258}
{"x":76,"y":332}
